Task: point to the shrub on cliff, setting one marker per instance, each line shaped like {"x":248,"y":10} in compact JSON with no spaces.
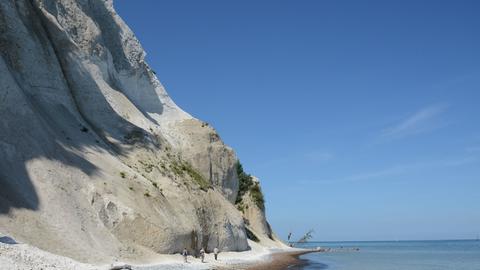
{"x":257,"y":196}
{"x":246,"y":184}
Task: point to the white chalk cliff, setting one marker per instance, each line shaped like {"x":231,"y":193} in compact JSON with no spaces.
{"x":96,"y":160}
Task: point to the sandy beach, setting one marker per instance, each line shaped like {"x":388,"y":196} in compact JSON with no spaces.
{"x":25,"y":257}
{"x":271,"y":259}
{"x":257,"y":258}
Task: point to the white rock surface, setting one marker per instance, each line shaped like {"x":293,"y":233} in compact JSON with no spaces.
{"x":25,"y":257}
{"x":97,"y":162}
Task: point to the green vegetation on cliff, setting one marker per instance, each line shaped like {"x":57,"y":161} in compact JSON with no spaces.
{"x":246,"y":184}
{"x":182,"y":167}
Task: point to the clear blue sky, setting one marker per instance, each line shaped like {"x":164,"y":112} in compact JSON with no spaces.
{"x":361,"y":118}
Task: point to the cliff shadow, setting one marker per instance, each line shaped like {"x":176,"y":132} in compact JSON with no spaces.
{"x":34,"y":124}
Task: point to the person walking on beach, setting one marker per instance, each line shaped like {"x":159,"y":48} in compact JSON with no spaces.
{"x":185,"y":254}
{"x":215,"y":253}
{"x":202,"y":254}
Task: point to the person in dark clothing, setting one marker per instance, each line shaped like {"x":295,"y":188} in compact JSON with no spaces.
{"x":185,"y":254}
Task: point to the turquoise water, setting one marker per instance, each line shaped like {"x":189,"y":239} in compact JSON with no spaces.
{"x":400,"y":255}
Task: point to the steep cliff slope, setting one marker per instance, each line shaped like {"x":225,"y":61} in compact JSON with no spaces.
{"x":96,"y":161}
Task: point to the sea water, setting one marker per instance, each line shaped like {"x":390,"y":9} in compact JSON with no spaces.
{"x":396,"y":255}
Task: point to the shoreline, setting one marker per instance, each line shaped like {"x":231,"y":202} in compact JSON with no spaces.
{"x":283,"y":260}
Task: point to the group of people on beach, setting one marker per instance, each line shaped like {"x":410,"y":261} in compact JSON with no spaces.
{"x":202,"y":254}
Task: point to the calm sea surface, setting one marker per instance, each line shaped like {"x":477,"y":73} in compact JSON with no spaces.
{"x":402,"y":255}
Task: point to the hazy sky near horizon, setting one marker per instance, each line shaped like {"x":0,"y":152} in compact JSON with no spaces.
{"x":361,"y":118}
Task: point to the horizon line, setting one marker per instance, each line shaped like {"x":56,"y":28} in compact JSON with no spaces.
{"x":412,"y":240}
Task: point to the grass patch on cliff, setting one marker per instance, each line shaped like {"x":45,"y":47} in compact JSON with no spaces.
{"x":182,"y":168}
{"x":246,"y":184}
{"x":245,"y":181}
{"x":147,"y":166}
{"x":257,"y":196}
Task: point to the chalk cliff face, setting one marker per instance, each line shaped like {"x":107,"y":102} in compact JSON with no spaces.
{"x":96,"y":161}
